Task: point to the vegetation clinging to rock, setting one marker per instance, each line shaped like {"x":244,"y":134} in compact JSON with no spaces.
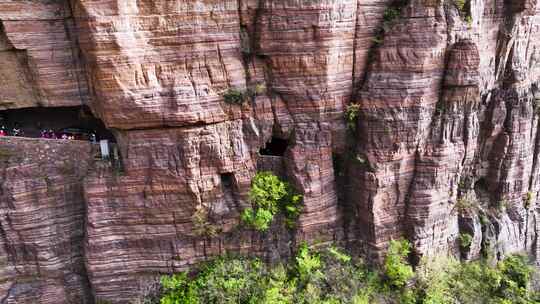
{"x":465,"y":240}
{"x":351,"y":116}
{"x":330,"y":276}
{"x":268,"y":196}
{"x":237,"y":96}
{"x":234,"y":96}
{"x":460,"y":4}
{"x":396,"y":267}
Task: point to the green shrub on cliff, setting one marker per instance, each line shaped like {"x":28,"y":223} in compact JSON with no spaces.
{"x":460,"y":4}
{"x":391,"y":14}
{"x":328,"y":276}
{"x":308,"y":264}
{"x":238,"y":97}
{"x":202,"y":226}
{"x":268,"y":196}
{"x":465,"y":240}
{"x":397,"y":269}
{"x":528,"y":200}
{"x":178,"y":289}
{"x":351,"y":116}
{"x":234,"y":96}
{"x":225,"y":280}
{"x":331,"y":276}
{"x":507,"y":282}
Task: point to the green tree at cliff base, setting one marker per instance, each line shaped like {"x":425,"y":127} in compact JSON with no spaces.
{"x":331,"y":276}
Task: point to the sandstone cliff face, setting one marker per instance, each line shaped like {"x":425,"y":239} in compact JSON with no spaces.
{"x":42,"y":221}
{"x":39,"y":58}
{"x":446,"y":142}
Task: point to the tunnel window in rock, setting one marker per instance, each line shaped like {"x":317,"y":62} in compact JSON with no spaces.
{"x":271,"y":156}
{"x":228,"y":187}
{"x":275,"y":147}
{"x":76,"y":121}
{"x":227,"y":180}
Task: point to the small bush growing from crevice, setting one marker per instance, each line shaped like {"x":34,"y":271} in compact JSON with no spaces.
{"x":234,"y":96}
{"x":484,"y":220}
{"x":460,"y":5}
{"x":501,"y":206}
{"x":465,"y":240}
{"x":378,"y":38}
{"x":351,"y":116}
{"x":465,"y":205}
{"x":528,"y":200}
{"x":469,"y":20}
{"x":391,"y":14}
{"x":238,"y":97}
{"x":393,"y":11}
{"x":268,"y":196}
{"x":259,"y":89}
{"x":202,"y":225}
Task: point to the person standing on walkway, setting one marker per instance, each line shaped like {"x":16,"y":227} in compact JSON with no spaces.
{"x":16,"y":131}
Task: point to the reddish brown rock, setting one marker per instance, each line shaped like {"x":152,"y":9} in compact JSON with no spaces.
{"x":39,"y":60}
{"x":158,"y":63}
{"x":398,"y":101}
{"x":448,"y":114}
{"x":141,"y":221}
{"x":442,"y":165}
{"x":42,"y":220}
{"x":527,"y":6}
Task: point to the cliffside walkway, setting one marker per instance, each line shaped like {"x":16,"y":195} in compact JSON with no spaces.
{"x":96,"y":148}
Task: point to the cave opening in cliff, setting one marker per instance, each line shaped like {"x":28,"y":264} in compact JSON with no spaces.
{"x":227,"y":180}
{"x":275,"y":147}
{"x":481,"y":185}
{"x":31,"y":122}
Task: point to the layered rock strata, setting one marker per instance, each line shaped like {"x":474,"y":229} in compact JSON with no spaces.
{"x":445,"y":143}
{"x":42,"y":221}
{"x":39,"y":58}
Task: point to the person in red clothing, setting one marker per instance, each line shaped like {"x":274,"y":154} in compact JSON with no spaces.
{"x":3,"y":131}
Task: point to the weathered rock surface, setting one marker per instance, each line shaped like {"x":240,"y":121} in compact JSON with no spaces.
{"x":42,"y":221}
{"x":39,"y":58}
{"x":446,"y":142}
{"x":161,"y":63}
